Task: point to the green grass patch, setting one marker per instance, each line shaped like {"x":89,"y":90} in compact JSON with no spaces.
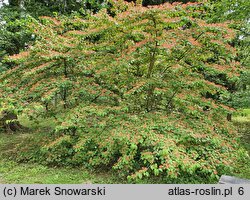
{"x":12,"y":172}
{"x":31,"y":173}
{"x":242,"y":121}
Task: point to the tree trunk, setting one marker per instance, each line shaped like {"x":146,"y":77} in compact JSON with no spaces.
{"x":9,"y":122}
{"x":229,"y":117}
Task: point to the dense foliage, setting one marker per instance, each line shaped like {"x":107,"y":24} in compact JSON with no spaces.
{"x":142,"y":92}
{"x":14,"y":34}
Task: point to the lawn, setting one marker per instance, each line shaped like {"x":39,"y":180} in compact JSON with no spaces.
{"x":30,"y":173}
{"x":242,"y":121}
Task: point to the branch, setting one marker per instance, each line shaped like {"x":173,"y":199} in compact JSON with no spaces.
{"x":183,"y":55}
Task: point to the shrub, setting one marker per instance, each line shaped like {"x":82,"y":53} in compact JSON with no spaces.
{"x":146,"y":145}
{"x":142,"y":93}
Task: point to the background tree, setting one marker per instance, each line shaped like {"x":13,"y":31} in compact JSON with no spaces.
{"x":239,"y":12}
{"x":14,"y":34}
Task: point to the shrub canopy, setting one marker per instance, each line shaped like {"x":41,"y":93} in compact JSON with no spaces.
{"x":141,"y":93}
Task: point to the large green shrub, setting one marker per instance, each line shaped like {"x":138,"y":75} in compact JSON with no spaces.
{"x":142,"y":93}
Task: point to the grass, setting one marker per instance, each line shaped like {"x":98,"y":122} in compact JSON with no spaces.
{"x":31,"y":173}
{"x":12,"y":172}
{"x":242,"y":122}
{"x":243,"y":116}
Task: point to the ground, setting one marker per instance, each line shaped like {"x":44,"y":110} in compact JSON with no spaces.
{"x":29,"y":173}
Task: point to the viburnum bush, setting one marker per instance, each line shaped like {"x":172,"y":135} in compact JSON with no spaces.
{"x":141,"y":93}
